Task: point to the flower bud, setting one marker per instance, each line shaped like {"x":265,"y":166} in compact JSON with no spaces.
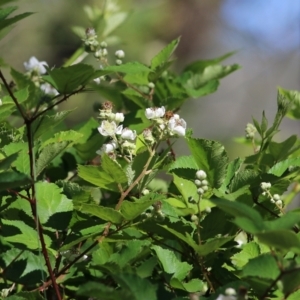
{"x":119,"y":62}
{"x":120,"y":54}
{"x":200,"y":191}
{"x":201,"y":174}
{"x":151,"y":85}
{"x":103,"y":44}
{"x":198,"y":182}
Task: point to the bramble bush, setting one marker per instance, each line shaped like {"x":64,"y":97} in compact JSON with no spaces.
{"x":89,"y":213}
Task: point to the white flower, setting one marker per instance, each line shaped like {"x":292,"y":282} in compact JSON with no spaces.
{"x":128,"y":134}
{"x":120,"y":54}
{"x":35,"y":65}
{"x":108,"y":148}
{"x":155,"y":112}
{"x":177,"y":126}
{"x":119,"y":117}
{"x":48,"y":89}
{"x":97,"y":80}
{"x":109,"y":128}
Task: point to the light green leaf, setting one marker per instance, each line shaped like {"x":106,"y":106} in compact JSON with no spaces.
{"x":97,"y":176}
{"x":171,"y":264}
{"x":286,"y":221}
{"x":129,"y":68}
{"x":164,"y":55}
{"x":50,"y":201}
{"x":26,"y":235}
{"x":113,"y":169}
{"x":7,"y":22}
{"x":279,"y":168}
{"x":210,"y":157}
{"x":249,"y":251}
{"x":192,"y":286}
{"x":184,"y":162}
{"x":263,"y":266}
{"x":113,"y":22}
{"x":69,"y":136}
{"x":104,"y":213}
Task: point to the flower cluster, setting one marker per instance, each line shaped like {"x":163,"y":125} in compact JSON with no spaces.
{"x":122,"y":139}
{"x":201,"y":182}
{"x":276,"y":199}
{"x":35,"y":69}
{"x":154,"y":212}
{"x":250,"y":131}
{"x":166,"y":124}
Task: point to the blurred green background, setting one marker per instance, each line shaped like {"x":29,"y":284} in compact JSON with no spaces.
{"x":265,"y":34}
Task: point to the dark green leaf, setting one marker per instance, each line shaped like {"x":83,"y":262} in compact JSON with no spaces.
{"x":7,"y":161}
{"x":113,"y":169}
{"x":104,"y":213}
{"x":281,"y":150}
{"x":11,"y":179}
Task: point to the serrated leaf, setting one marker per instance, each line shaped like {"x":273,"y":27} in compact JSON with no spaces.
{"x":48,"y":121}
{"x":67,"y":79}
{"x":171,"y":264}
{"x":279,"y":168}
{"x":131,"y":210}
{"x":50,"y":201}
{"x":187,"y":188}
{"x":164,"y":55}
{"x":11,"y":179}
{"x":282,"y":239}
{"x":26,"y":235}
{"x":245,"y":216}
{"x":70,"y":136}
{"x":113,"y":169}
{"x":210,"y":157}
{"x":104,"y":213}
{"x":97,"y":176}
{"x":184,"y":162}
{"x":138,"y":287}
{"x":129,"y":68}
{"x":263,"y":266}
{"x":249,"y":251}
{"x":49,"y":152}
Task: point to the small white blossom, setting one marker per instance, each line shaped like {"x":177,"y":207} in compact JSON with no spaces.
{"x":265,"y":185}
{"x":35,"y":65}
{"x":48,"y":89}
{"x":128,"y":134}
{"x":155,"y":112}
{"x":107,"y":148}
{"x":120,"y":54}
{"x":109,"y":128}
{"x":177,"y":126}
{"x":97,"y":80}
{"x":119,"y":117}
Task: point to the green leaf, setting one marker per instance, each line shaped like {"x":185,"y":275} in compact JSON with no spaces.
{"x":193,"y":286}
{"x":282,"y":166}
{"x":48,"y":154}
{"x":249,"y":251}
{"x":7,"y":22}
{"x":69,"y":136}
{"x":131,"y":210}
{"x":210,"y":157}
{"x":213,"y":245}
{"x":286,"y":221}
{"x":5,"y":12}
{"x":26,"y":296}
{"x":282,"y":239}
{"x":294,"y":98}
{"x":48,"y":121}
{"x":67,"y":79}
{"x":11,"y":179}
{"x":200,"y":65}
{"x":114,"y":20}
{"x":23,"y":234}
{"x":104,"y":213}
{"x":7,"y":161}
{"x":164,"y":55}
{"x":294,"y":296}
{"x":263,"y":266}
{"x":184,"y":162}
{"x":171,"y":264}
{"x":113,"y":169}
{"x":245,"y":217}
{"x":129,"y":68}
{"x":97,"y":176}
{"x":50,"y":201}
{"x":281,"y":150}
{"x":138,"y":287}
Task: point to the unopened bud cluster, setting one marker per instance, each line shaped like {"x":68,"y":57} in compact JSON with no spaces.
{"x":165,"y":125}
{"x":154,"y":212}
{"x":201,"y":182}
{"x":276,"y":199}
{"x":122,"y":139}
{"x":250,"y":131}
